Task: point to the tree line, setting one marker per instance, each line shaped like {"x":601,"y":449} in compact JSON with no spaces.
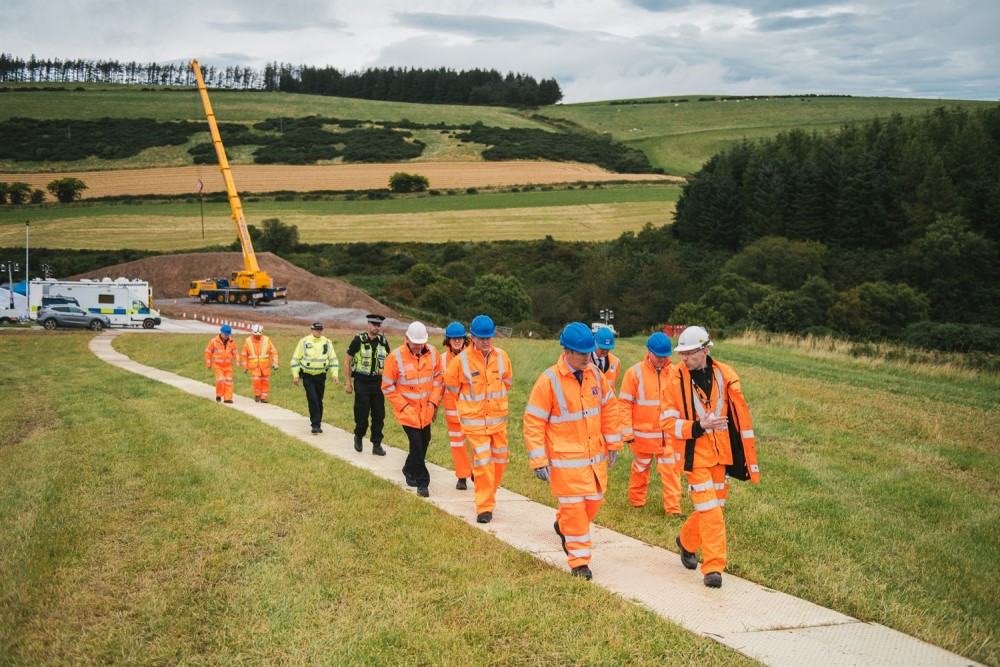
{"x":391,"y":84}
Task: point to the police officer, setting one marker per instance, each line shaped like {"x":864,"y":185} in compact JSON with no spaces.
{"x":313,"y":360}
{"x":366,"y":358}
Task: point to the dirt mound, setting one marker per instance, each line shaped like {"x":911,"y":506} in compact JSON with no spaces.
{"x":169,"y":276}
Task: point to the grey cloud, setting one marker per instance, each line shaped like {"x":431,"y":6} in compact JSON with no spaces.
{"x":758,"y":7}
{"x":790,"y":23}
{"x":478,"y":26}
{"x":265,"y":26}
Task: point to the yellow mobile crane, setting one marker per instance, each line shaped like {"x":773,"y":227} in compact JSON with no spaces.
{"x":251,"y":285}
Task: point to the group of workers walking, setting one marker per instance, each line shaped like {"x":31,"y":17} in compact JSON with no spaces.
{"x":691,"y":418}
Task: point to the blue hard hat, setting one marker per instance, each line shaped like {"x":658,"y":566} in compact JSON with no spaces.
{"x":578,"y":337}
{"x":659,"y":344}
{"x":482,"y":327}
{"x":605,"y":338}
{"x":455,"y":330}
{"x":226,"y":329}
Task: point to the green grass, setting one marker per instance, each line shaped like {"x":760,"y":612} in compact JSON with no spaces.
{"x":880,"y":480}
{"x":680,"y":137}
{"x":578,"y":214}
{"x":141,"y":525}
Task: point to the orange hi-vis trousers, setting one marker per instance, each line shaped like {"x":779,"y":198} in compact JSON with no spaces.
{"x":223,"y":381}
{"x":261,"y":378}
{"x":705,"y":529}
{"x":459,"y":452}
{"x":489,"y":460}
{"x":574,"y":516}
{"x":668,"y":466}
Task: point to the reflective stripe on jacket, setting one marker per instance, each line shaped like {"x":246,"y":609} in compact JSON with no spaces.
{"x":219,"y":353}
{"x":570,"y":427}
{"x":370,"y":358}
{"x":713,"y":447}
{"x":413,"y":385}
{"x":480,"y":386}
{"x":314,"y":355}
{"x":259,"y":353}
{"x":642,"y":404}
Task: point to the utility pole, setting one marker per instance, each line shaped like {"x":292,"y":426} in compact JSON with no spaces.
{"x":27,"y":281}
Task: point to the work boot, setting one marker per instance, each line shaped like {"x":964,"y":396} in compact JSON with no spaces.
{"x":423,"y":492}
{"x":561,"y":537}
{"x":582,"y":571}
{"x":461,"y":485}
{"x":357,"y":443}
{"x":484,"y":517}
{"x":316,"y":429}
{"x":713,"y":580}
{"x":690,"y":561}
{"x":218,"y":399}
{"x":377,"y":449}
{"x":409,"y":480}
{"x":256,"y":399}
{"x":263,"y":400}
{"x":229,"y":401}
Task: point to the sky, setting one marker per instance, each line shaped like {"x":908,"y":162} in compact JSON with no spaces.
{"x":595,"y":49}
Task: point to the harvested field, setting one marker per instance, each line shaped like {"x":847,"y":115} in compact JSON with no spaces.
{"x":269,"y":178}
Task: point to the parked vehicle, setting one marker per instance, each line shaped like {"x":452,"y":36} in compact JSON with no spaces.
{"x":125,"y":302}
{"x":66,"y":315}
{"x":8,"y":315}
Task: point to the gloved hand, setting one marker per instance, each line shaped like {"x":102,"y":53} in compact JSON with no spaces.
{"x":246,"y":370}
{"x":274,"y":366}
{"x":542,"y":473}
{"x":612,"y":457}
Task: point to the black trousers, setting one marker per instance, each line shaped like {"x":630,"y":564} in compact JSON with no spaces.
{"x":415,"y":468}
{"x":369,"y":400}
{"x":315,"y":386}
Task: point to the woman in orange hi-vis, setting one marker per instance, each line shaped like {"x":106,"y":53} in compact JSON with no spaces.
{"x":412,"y":382}
{"x":479,"y":379}
{"x":259,"y":358}
{"x":454,"y":342}
{"x":220,"y":355}
{"x":642,"y":403}
{"x":571,"y":430}
{"x":707,"y":413}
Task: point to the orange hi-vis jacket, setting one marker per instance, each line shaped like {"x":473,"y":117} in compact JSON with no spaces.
{"x":735,"y":447}
{"x":221,"y":354}
{"x":642,"y":405}
{"x":449,"y":399}
{"x":259,"y":353}
{"x":570,"y":427}
{"x":480,"y":386}
{"x":413,"y":385}
{"x":614,"y":369}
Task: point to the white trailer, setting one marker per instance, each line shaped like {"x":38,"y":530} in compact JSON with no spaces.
{"x":125,"y":302}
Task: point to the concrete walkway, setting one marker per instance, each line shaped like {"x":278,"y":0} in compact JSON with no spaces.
{"x":769,"y":626}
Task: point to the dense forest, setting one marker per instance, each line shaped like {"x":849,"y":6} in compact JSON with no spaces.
{"x":391,"y":84}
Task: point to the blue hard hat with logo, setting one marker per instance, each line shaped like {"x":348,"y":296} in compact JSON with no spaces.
{"x":454,"y":330}
{"x":659,"y":344}
{"x":482,"y":327}
{"x":605,"y":338}
{"x":578,"y":337}
{"x":226,"y":329}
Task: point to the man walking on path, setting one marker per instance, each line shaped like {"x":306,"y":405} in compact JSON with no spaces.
{"x":455,"y":340}
{"x":642,"y":404}
{"x":479,"y":379}
{"x":220,"y":355}
{"x":706,"y":411}
{"x":365,"y":361}
{"x":571,"y":431}
{"x":314,"y":359}
{"x":601,"y":357}
{"x":259,"y":358}
{"x":412,"y":382}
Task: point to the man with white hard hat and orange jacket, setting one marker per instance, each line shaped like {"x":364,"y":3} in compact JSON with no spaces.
{"x":708,"y":415}
{"x":571,"y":431}
{"x":412,"y":382}
{"x":259,"y":357}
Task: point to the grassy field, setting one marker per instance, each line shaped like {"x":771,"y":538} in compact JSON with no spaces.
{"x":591,"y":214}
{"x":139,"y":525}
{"x":880,"y":491}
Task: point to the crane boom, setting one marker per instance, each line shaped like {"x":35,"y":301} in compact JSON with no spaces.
{"x":249,"y":257}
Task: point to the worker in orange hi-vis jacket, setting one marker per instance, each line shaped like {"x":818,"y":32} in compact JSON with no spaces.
{"x":455,"y":340}
{"x":479,"y":378}
{"x":602,"y":357}
{"x":220,"y":355}
{"x":708,"y":414}
{"x":413,"y":383}
{"x":259,"y":358}
{"x":571,"y":430}
{"x":642,"y":403}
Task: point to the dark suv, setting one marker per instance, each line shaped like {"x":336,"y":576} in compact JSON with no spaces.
{"x":66,"y":315}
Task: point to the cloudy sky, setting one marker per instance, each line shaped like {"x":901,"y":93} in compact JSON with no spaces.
{"x":595,"y":49}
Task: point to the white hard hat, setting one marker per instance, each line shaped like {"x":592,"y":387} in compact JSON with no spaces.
{"x":257,"y":329}
{"x":417,"y":333}
{"x":693,"y":338}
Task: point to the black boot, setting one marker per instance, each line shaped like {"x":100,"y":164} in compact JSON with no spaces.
{"x":357,"y":443}
{"x":377,"y":449}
